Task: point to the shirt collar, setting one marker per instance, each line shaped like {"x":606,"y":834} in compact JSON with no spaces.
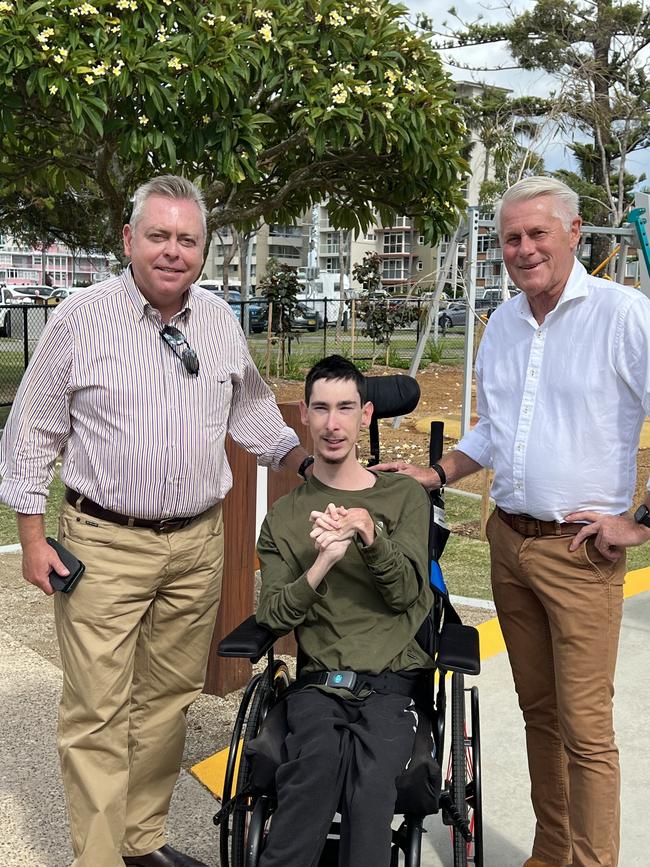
{"x":576,"y":287}
{"x":140,"y":304}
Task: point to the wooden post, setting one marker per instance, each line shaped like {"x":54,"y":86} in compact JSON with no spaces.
{"x":269,"y":332}
{"x":284,"y":481}
{"x":238,"y":588}
{"x":485,"y":501}
{"x":353,"y":327}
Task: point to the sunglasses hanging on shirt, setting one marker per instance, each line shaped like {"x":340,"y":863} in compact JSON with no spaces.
{"x":176,"y":340}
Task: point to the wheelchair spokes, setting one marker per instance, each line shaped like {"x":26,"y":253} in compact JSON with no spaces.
{"x":462,"y":799}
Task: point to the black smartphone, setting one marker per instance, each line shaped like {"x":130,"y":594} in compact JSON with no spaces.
{"x":65,"y":583}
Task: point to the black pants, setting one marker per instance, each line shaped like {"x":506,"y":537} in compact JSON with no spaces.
{"x":343,"y":755}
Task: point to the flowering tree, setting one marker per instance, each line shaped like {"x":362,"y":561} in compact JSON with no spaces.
{"x":270,"y":105}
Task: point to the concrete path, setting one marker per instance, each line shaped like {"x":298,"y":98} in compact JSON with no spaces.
{"x":33,"y":828}
{"x":508,"y":816}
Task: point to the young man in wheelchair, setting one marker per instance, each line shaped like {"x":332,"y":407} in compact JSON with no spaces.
{"x":344,"y":563}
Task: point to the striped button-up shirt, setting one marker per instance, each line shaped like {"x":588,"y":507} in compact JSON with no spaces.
{"x":137,"y":433}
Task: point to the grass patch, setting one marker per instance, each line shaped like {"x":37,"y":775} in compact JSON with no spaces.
{"x":465,"y":562}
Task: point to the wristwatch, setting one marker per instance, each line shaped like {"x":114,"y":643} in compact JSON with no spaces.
{"x":642,"y":516}
{"x":304,"y":466}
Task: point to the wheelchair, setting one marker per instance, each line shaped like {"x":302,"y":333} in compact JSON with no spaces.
{"x":249,"y":796}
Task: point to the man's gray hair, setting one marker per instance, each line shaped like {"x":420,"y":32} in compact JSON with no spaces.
{"x":567,"y":201}
{"x":170,"y":187}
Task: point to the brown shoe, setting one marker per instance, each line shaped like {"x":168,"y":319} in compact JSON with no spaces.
{"x":535,"y":862}
{"x":163,"y":857}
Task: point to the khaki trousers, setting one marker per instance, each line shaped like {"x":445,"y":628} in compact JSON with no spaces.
{"x":560,"y":613}
{"x":134,"y":638}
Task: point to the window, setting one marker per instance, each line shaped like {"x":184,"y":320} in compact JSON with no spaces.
{"x":369,"y":235}
{"x":481,"y":270}
{"x":17,"y":274}
{"x":484,"y":243}
{"x":397,"y":242}
{"x":288,"y":231}
{"x":421,"y":240}
{"x":420,"y":265}
{"x":284,"y":251}
{"x":393,"y":269}
{"x":332,"y":245}
{"x":332,"y":265}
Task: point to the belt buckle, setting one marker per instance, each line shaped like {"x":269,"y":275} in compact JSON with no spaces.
{"x":341,"y":679}
{"x":168,"y":525}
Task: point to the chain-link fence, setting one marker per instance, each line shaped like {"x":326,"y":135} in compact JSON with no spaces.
{"x":21,"y":325}
{"x":316,"y":330}
{"x":320,"y":327}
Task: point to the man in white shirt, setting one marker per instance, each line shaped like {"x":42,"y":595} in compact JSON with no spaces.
{"x":563,"y":386}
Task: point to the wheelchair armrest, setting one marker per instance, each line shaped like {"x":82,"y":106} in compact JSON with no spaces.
{"x":249,"y":640}
{"x":459,"y":649}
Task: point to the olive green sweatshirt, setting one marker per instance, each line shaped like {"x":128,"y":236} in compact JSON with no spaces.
{"x":365,"y":613}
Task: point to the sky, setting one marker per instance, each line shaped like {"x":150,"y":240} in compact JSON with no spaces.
{"x":520,"y":82}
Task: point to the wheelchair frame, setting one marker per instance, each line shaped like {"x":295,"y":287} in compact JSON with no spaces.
{"x":244,"y":816}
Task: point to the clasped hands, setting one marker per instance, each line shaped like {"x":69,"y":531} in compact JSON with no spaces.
{"x":335,"y":528}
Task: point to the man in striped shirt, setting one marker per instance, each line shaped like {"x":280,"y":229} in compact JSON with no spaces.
{"x":135,"y":383}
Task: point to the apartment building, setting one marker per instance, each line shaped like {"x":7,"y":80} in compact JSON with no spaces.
{"x":22,"y":266}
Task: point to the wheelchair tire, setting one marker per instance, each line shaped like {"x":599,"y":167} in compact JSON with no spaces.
{"x":458,"y":765}
{"x":474,"y":782}
{"x":256,"y":829}
{"x":263,"y":698}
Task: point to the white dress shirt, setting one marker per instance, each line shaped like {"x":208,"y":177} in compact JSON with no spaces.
{"x":561,"y":404}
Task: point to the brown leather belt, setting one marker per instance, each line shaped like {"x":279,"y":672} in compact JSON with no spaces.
{"x":526,"y":525}
{"x":87,"y":507}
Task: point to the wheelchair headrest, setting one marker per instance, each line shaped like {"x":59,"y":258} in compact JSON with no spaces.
{"x":392,"y":395}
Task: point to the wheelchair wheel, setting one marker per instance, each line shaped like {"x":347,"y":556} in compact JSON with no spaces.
{"x":256,"y":830}
{"x":465,"y":777}
{"x":474,"y":783}
{"x":458,"y":766}
{"x":243,"y":849}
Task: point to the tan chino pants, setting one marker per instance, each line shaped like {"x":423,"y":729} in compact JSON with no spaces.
{"x":560,"y":613}
{"x":134,"y":638}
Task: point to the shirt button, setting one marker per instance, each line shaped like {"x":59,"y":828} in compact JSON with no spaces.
{"x":540,"y":333}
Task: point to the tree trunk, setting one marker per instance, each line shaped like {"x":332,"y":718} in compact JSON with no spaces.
{"x":227,"y":259}
{"x":339,"y":315}
{"x":601,"y":245}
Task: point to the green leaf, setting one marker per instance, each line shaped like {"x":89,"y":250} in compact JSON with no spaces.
{"x":95,"y":119}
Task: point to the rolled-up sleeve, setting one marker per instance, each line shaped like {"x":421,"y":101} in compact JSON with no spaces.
{"x":477,"y":442}
{"x":255,"y":422}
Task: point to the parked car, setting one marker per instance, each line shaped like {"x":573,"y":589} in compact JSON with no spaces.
{"x":8,"y":296}
{"x":234,"y":295}
{"x":58,"y":295}
{"x":305,"y":318}
{"x":454,"y":314}
{"x":36,"y":293}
